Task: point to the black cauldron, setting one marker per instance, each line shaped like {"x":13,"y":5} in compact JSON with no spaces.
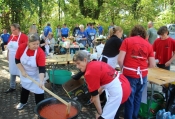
{"x":53,"y":100}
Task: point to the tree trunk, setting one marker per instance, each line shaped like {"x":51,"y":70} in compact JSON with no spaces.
{"x":134,"y":9}
{"x":93,"y":13}
{"x":40,"y":13}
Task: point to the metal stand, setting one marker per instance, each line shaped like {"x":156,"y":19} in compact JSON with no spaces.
{"x":152,"y":93}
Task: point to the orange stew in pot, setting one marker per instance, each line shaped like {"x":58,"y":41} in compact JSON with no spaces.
{"x":57,"y":111}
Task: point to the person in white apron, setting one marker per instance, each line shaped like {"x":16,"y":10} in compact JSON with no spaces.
{"x":105,"y":79}
{"x":136,"y":55}
{"x":12,"y":48}
{"x":111,"y":48}
{"x":47,"y":47}
{"x":52,"y":41}
{"x":28,"y":65}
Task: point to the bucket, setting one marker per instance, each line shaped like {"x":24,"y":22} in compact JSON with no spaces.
{"x":52,"y":101}
{"x":156,"y":105}
{"x":4,"y":53}
{"x":59,"y":76}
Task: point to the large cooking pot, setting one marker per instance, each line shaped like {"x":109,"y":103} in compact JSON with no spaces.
{"x":53,"y":100}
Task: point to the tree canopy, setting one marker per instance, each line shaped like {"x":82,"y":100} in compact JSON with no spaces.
{"x":125,"y":13}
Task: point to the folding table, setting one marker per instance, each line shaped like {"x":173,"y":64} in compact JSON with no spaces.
{"x":159,"y":77}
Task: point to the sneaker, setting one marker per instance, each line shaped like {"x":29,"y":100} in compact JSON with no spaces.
{"x":20,"y":106}
{"x":10,"y":90}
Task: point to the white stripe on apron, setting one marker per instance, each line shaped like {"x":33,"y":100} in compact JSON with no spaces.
{"x":114,"y":98}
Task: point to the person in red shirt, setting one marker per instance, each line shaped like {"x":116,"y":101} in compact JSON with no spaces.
{"x":164,"y":48}
{"x":136,"y":55}
{"x":14,"y":41}
{"x":101,"y":77}
{"x":30,"y":60}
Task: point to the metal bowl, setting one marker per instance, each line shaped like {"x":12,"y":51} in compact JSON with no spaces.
{"x":53,"y":100}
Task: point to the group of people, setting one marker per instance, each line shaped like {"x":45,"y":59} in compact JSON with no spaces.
{"x":25,"y":58}
{"x":83,"y":35}
{"x":134,"y":56}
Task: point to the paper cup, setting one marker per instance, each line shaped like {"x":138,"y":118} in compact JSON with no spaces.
{"x":51,"y":55}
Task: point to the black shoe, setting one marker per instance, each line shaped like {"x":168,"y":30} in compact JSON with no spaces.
{"x":10,"y":90}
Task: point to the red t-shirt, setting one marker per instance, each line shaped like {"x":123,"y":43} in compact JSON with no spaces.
{"x":164,"y":49}
{"x":99,"y":73}
{"x":138,"y":50}
{"x":40,"y":56}
{"x":23,"y":38}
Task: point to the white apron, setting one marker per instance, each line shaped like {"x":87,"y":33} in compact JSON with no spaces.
{"x":112,"y":61}
{"x":100,"y":49}
{"x":30,"y":66}
{"x":12,"y":46}
{"x":114,"y":94}
{"x":139,"y":72}
{"x":47,"y":46}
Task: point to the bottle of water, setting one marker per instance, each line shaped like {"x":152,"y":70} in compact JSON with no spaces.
{"x":167,"y":115}
{"x":91,"y":45}
{"x":91,"y":49}
{"x":173,"y":117}
{"x":97,"y":34}
{"x":160,"y":113}
{"x":72,"y":53}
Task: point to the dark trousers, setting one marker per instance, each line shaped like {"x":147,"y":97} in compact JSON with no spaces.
{"x":164,"y":89}
{"x":120,"y":110}
{"x":25,"y":95}
{"x":163,"y":66}
{"x":2,"y":45}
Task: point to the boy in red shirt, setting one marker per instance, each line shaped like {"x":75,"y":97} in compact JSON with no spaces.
{"x":164,"y":48}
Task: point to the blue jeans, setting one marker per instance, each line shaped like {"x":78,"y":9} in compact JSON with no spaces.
{"x":132,"y":105}
{"x":12,"y":81}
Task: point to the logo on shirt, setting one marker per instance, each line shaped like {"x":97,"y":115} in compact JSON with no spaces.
{"x":139,"y":51}
{"x":166,"y":46}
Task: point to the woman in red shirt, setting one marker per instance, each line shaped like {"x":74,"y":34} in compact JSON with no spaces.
{"x":30,"y":60}
{"x":14,"y":41}
{"x":136,"y":55}
{"x":101,"y":77}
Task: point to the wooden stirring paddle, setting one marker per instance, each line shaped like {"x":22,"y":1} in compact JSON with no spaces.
{"x":54,"y":95}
